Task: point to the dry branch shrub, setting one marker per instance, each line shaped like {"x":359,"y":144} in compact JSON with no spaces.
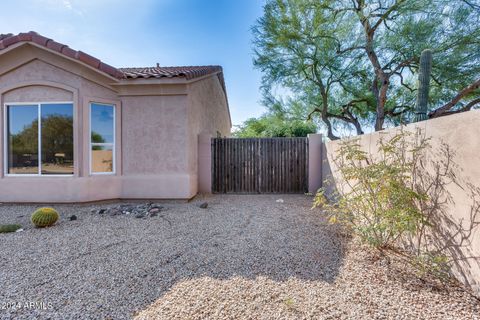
{"x":396,"y":200}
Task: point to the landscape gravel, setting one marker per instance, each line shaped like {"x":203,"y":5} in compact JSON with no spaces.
{"x":240,"y":257}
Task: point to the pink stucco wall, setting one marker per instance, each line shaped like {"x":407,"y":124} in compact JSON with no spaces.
{"x":314,"y":162}
{"x":154,"y":130}
{"x":156,"y":154}
{"x":208,"y":115}
{"x":157,"y":126}
{"x":461,"y":132}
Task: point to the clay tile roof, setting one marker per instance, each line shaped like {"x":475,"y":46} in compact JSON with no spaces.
{"x":188,"y":72}
{"x":3,"y":36}
{"x":7,"y":40}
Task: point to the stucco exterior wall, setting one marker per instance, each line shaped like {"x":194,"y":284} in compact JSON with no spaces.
{"x":37,"y":93}
{"x":155,"y":147}
{"x":207,"y":114}
{"x":157,"y":127}
{"x":208,"y":110}
{"x":461,"y":132}
{"x":154,"y":134}
{"x":31,"y":79}
{"x":33,"y":64}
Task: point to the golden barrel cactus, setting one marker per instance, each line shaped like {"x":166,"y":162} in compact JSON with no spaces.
{"x":44,"y":217}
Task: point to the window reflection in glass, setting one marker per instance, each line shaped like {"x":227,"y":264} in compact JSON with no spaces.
{"x":57,"y":138}
{"x":22,"y":139}
{"x":102,"y":123}
{"x":102,"y":158}
{"x":102,"y":119}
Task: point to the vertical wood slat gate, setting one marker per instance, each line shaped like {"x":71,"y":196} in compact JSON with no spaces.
{"x":259,"y":165}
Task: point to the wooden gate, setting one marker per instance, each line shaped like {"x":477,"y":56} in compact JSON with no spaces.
{"x":259,"y":165}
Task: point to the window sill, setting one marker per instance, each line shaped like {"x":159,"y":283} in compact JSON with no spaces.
{"x":39,"y":176}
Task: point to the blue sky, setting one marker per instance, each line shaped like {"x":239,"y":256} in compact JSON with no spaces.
{"x":22,"y":116}
{"x":143,"y":32}
{"x":102,"y":122}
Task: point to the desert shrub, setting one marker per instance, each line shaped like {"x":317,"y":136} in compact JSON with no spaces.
{"x":396,"y":201}
{"x":6,"y":228}
{"x":377,"y":200}
{"x":44,"y":217}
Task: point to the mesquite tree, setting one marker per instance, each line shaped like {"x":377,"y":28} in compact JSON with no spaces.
{"x":354,"y":63}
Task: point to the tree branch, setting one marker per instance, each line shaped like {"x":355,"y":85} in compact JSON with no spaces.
{"x":446,"y":107}
{"x":394,"y":113}
{"x":381,"y":81}
{"x":340,"y":51}
{"x":402,"y":81}
{"x":385,"y":15}
{"x":474,"y":6}
{"x":467,"y":107}
{"x":310,"y":115}
{"x":404,"y":63}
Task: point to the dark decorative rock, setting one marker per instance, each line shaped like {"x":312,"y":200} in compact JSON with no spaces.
{"x":73,"y":217}
{"x":140,"y":210}
{"x":127,"y":207}
{"x":203,"y":205}
{"x":113,"y":212}
{"x":154,"y":210}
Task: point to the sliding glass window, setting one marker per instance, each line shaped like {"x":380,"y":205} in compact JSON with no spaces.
{"x":102,"y":138}
{"x":39,"y":139}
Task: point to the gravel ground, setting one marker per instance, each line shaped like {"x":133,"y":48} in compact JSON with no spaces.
{"x":244,"y":257}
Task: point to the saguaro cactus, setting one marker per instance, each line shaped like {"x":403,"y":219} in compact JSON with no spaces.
{"x":423,"y":85}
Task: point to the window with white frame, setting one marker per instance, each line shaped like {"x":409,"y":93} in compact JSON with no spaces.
{"x":102,"y":138}
{"x":39,"y":138}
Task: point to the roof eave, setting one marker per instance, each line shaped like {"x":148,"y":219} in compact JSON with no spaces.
{"x":59,"y":54}
{"x":160,"y":81}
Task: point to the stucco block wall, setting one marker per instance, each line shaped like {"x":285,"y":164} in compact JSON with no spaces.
{"x":461,"y":132}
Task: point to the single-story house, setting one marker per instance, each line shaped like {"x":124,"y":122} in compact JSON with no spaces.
{"x":75,"y":129}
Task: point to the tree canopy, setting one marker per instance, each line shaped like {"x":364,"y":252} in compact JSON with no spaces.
{"x":57,"y":136}
{"x":271,"y":125}
{"x":354,"y":63}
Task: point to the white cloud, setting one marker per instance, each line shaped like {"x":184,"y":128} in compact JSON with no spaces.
{"x":67,"y":4}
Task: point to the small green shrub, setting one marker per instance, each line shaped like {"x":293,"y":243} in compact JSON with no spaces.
{"x":44,"y":217}
{"x":431,"y":263}
{"x":6,"y":228}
